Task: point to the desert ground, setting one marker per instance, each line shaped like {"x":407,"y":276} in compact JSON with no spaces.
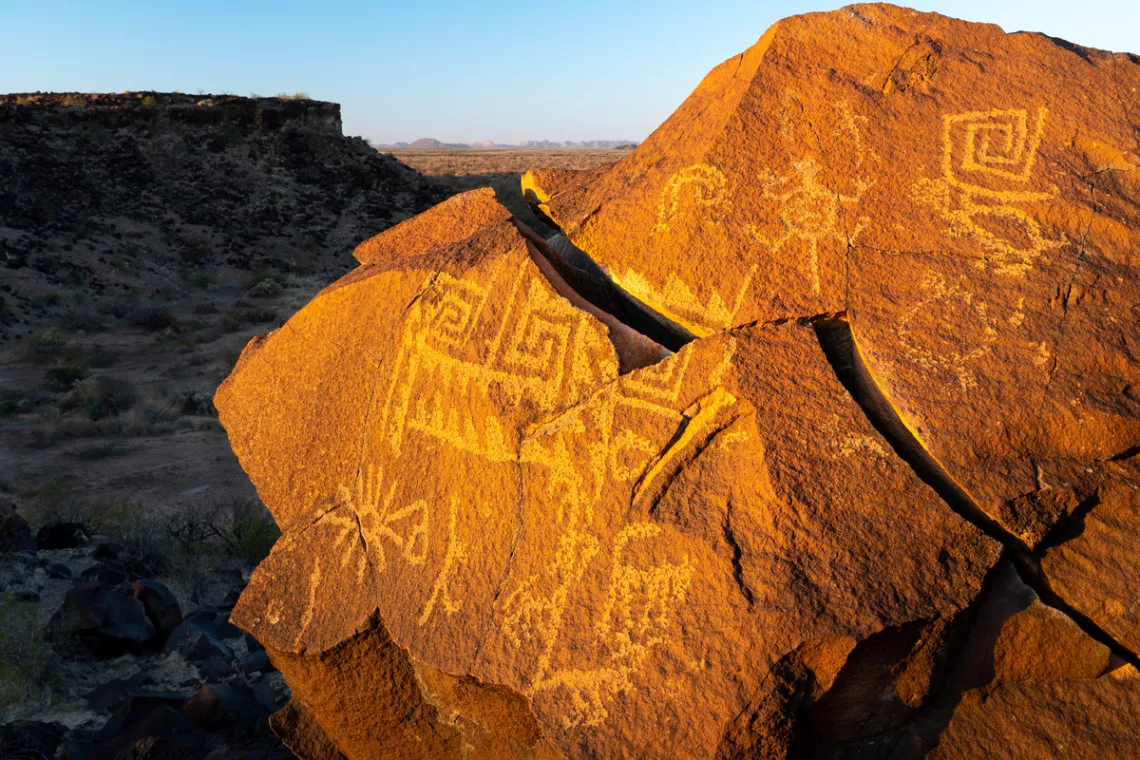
{"x":463,"y":170}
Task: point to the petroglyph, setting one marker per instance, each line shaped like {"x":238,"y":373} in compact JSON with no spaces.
{"x":848,"y":443}
{"x":987,"y":165}
{"x":456,"y":554}
{"x":967,"y":311}
{"x":640,"y":602}
{"x":709,"y":188}
{"x":635,"y":618}
{"x":677,"y":301}
{"x":810,"y":212}
{"x":544,"y":350}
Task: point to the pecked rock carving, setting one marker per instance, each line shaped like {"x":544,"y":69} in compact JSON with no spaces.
{"x":728,"y":470}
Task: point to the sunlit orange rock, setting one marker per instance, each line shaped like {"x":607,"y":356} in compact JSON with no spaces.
{"x":617,"y":560}
{"x":868,"y":320}
{"x":969,"y":199}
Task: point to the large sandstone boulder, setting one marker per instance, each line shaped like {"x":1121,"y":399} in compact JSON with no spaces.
{"x":722,"y":472}
{"x":968,"y":200}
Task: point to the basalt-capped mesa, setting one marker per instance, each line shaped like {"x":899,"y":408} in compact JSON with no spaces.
{"x":814,"y":434}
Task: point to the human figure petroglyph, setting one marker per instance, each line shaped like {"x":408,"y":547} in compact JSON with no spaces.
{"x":987,"y":165}
{"x":810,"y":212}
{"x":456,"y":554}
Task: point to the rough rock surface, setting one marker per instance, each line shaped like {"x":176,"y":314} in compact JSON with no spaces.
{"x":968,"y":198}
{"x":733,"y":478}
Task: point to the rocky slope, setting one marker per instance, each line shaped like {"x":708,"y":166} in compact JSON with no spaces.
{"x":815,"y":437}
{"x":106,"y":193}
{"x":146,"y":237}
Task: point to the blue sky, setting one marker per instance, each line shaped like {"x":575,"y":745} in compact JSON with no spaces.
{"x":456,"y":71}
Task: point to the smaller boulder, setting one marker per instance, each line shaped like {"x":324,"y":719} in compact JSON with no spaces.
{"x":63,"y":535}
{"x":107,"y":621}
{"x":109,"y":572}
{"x":15,"y":533}
{"x":219,"y":589}
{"x":257,"y":662}
{"x":30,"y":738}
{"x":230,"y":707}
{"x":161,"y":606}
{"x":107,"y":550}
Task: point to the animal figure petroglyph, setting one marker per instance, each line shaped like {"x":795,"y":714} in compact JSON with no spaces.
{"x":957,"y":357}
{"x":709,"y":188}
{"x":987,"y":164}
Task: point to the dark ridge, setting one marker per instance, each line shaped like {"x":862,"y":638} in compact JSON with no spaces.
{"x":592,"y":283}
{"x":838,"y":343}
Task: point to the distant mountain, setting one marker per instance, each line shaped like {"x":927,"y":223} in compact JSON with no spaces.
{"x":429,"y":143}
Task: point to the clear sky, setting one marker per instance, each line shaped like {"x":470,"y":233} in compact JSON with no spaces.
{"x":457,"y":71}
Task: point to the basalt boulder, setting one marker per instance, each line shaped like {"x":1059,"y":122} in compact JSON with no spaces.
{"x":723,"y":472}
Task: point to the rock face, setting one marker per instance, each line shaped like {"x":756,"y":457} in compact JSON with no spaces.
{"x":727,"y":479}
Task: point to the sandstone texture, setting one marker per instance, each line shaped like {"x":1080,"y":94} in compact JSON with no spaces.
{"x":814,"y":435}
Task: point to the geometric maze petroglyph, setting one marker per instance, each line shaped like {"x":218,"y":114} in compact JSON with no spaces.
{"x":987,"y":169}
{"x":586,"y":452}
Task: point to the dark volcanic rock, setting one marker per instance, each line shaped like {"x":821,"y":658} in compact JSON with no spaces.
{"x":106,"y":620}
{"x":172,"y":182}
{"x":65,"y":535}
{"x":15,"y":534}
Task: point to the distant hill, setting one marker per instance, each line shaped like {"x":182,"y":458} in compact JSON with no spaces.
{"x":429,"y":143}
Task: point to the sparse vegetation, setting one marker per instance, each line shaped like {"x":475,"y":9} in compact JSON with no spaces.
{"x":293,"y":95}
{"x":27,"y":662}
{"x":242,"y":528}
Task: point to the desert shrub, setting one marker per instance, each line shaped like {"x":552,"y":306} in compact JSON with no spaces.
{"x":198,"y":404}
{"x":153,"y":318}
{"x":266,"y":288}
{"x":74,"y":100}
{"x":252,"y":538}
{"x":82,"y":318}
{"x":148,"y":100}
{"x":202,"y":280}
{"x":54,"y":501}
{"x":13,"y":401}
{"x":27,"y":662}
{"x":102,"y":396}
{"x":242,"y":529}
{"x":102,"y":357}
{"x":119,"y":307}
{"x":64,"y":377}
{"x":205,"y":308}
{"x":123,"y":518}
{"x":49,"y":345}
{"x":293,"y":95}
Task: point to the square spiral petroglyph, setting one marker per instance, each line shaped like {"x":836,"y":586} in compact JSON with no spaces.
{"x":988,"y":159}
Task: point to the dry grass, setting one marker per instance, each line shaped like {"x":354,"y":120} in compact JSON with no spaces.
{"x":467,"y":169}
{"x":465,"y":162}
